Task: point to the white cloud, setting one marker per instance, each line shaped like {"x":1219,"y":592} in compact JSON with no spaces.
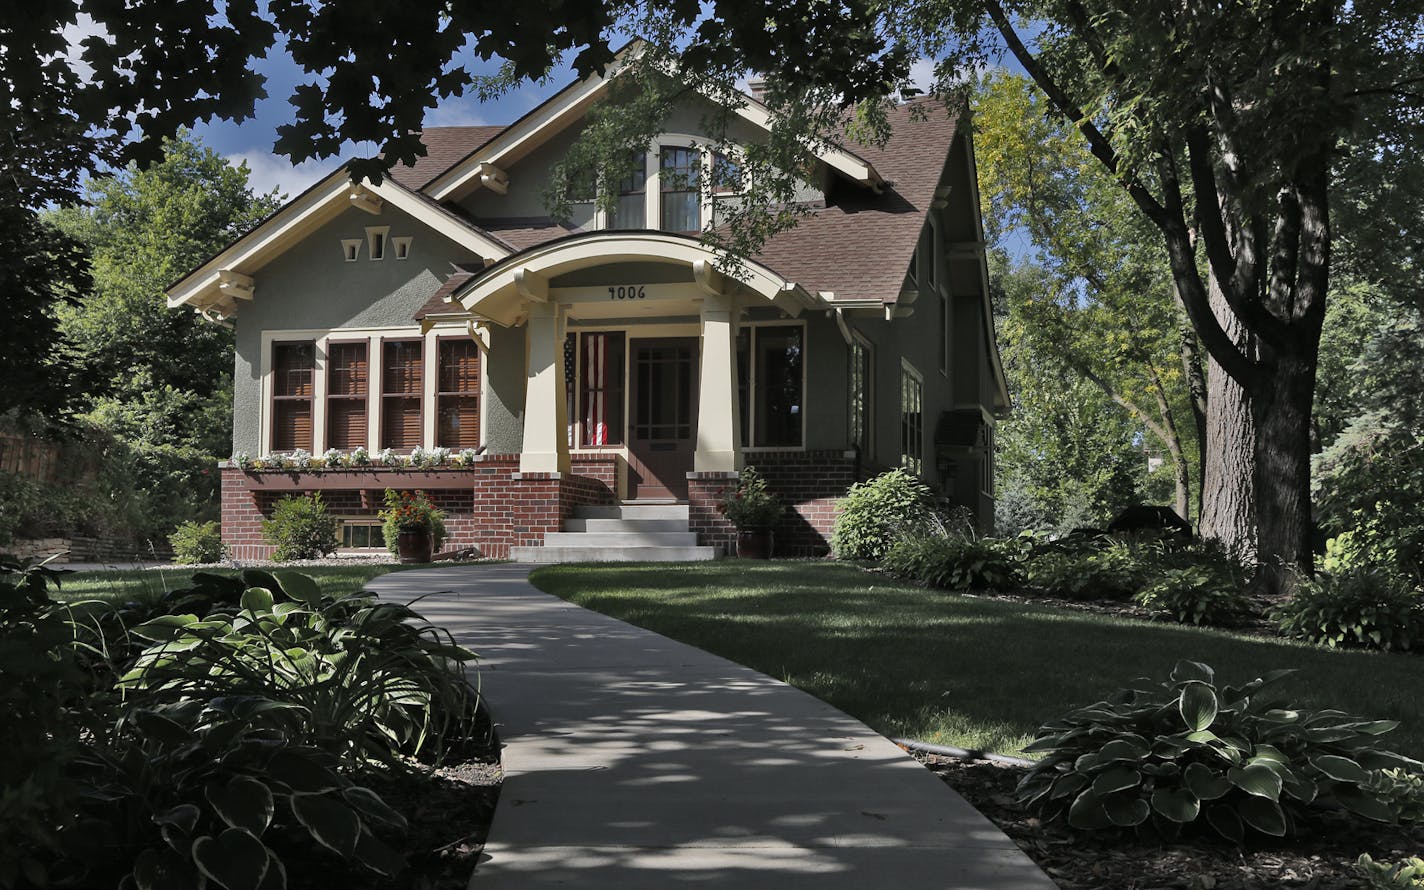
{"x":922,"y":74}
{"x":267,"y":171}
{"x":461,"y":112}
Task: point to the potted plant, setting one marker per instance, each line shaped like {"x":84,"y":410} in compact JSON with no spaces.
{"x":413,"y":528}
{"x":754,"y":510}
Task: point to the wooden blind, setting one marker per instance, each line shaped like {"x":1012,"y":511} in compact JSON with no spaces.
{"x":346,"y":387}
{"x":458,"y":397}
{"x":402,"y":389}
{"x":292,"y":369}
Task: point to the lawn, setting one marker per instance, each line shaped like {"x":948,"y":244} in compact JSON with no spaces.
{"x":959,"y":670}
{"x":121,"y":585}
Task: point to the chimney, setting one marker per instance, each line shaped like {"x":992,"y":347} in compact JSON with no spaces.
{"x":756,"y":85}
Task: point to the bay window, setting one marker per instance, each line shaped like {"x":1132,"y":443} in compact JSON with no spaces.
{"x":293,"y":366}
{"x":402,"y":391}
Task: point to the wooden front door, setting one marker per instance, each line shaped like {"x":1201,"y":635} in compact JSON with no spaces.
{"x":662,"y":417}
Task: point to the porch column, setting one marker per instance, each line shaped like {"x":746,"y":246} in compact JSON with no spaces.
{"x":546,"y":446}
{"x":719,"y":434}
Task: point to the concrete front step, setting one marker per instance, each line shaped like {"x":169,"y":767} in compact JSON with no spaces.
{"x":633,"y":511}
{"x":621,"y":526}
{"x":547,"y":555}
{"x":681,"y":538}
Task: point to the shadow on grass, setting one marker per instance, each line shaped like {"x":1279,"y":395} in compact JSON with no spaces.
{"x":956,"y":669}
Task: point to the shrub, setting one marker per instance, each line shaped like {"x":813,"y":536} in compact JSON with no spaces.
{"x":1161,"y":758}
{"x":1088,"y":571}
{"x":1406,"y":875}
{"x":875,"y":513}
{"x":1363,"y":606}
{"x":1203,"y":593}
{"x":956,"y":562}
{"x":198,"y":542}
{"x":300,"y":528}
{"x":411,"y":510}
{"x":1402,"y":791}
{"x":750,"y":505}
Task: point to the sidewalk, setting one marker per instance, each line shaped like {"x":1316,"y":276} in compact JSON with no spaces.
{"x":633,"y":761}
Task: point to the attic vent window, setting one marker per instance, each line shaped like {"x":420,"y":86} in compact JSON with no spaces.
{"x":351,"y":249}
{"x":376,"y":241}
{"x":402,"y":246}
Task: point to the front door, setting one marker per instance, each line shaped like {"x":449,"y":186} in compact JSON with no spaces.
{"x":662,"y":420}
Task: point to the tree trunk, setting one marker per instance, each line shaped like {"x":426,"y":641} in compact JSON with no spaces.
{"x":1181,"y":471}
{"x":1195,"y":376}
{"x":1228,"y":468}
{"x":1281,"y":406}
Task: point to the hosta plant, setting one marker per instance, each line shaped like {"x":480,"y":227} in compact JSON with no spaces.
{"x":1195,"y":594}
{"x":1362,"y":606}
{"x":1405,"y":875}
{"x":1111,"y":570}
{"x":1189,"y":753}
{"x":956,"y":562}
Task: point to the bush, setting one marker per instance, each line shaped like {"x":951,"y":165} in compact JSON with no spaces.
{"x":1187,"y":753}
{"x":750,"y":505}
{"x":197,"y":543}
{"x":1362,"y":606}
{"x":876,"y":513}
{"x":300,"y":528}
{"x":1204,"y":593}
{"x":1405,"y":875}
{"x":956,"y":562}
{"x":1089,"y":571}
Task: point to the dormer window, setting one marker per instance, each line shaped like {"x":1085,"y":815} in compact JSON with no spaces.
{"x":351,"y":249}
{"x":376,"y":241}
{"x":402,"y":247}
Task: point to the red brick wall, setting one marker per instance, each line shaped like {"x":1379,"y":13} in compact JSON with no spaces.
{"x":490,"y":506}
{"x":704,"y":491}
{"x":809,"y":483}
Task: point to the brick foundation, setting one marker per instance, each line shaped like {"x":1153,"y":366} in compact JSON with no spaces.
{"x":490,"y":506}
{"x":809,"y":483}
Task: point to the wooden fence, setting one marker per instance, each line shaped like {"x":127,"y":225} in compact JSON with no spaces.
{"x":37,"y":459}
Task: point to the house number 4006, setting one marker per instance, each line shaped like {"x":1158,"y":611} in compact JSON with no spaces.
{"x":628,"y":292}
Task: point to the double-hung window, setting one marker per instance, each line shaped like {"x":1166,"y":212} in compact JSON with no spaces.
{"x":631,"y":211}
{"x":346,"y":389}
{"x":678,"y":175}
{"x":293,"y":367}
{"x":771,"y":369}
{"x":912,"y":424}
{"x":458,"y":396}
{"x":402,"y":391}
{"x":858,"y":394}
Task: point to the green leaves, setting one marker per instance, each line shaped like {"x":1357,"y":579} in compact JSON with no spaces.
{"x":1187,"y":752}
{"x":330,"y":820}
{"x":243,"y":803}
{"x":235,"y":859}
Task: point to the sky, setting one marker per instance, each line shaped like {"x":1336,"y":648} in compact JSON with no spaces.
{"x":251,"y":141}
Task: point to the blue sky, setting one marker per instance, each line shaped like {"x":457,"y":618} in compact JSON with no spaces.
{"x":252,"y":140}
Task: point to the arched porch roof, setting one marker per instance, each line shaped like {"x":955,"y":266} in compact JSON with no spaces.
{"x":504,"y":291}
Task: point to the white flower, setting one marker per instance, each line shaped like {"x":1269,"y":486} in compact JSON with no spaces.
{"x":301,"y":458}
{"x":389,"y":458}
{"x":332,"y":457}
{"x":359,"y":456}
{"x":437,"y":456}
{"x":467,"y":457}
{"x":241,"y":459}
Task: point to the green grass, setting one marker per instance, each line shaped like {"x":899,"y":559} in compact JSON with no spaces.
{"x":146,"y":584}
{"x":957,"y":670}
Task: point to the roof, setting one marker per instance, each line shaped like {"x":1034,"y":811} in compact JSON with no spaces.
{"x":444,"y":148}
{"x":859,"y":245}
{"x":437,"y":304}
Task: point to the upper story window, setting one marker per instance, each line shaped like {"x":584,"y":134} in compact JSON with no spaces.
{"x":458,"y":397}
{"x":726,"y":175}
{"x":631,"y":211}
{"x":678,"y":180}
{"x":346,"y":387}
{"x":402,"y":392}
{"x":293,"y":365}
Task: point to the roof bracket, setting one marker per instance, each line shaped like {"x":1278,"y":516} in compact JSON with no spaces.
{"x":493,"y":178}
{"x":479,"y":331}
{"x":363,"y":198}
{"x":234,"y":284}
{"x":531,"y":285}
{"x":842,"y":326}
{"x":712,"y":282}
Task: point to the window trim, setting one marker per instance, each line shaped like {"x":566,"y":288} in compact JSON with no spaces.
{"x":751,"y":447}
{"x":478,"y":393}
{"x":402,"y":246}
{"x":351,"y":249}
{"x":272,"y":398}
{"x":372,"y":522}
{"x":423,"y":395}
{"x":909,"y":370}
{"x":652,"y":155}
{"x":377,"y":236}
{"x":324,"y":351}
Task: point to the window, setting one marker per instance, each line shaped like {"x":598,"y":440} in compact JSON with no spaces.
{"x":601,"y":400}
{"x":986,"y":465}
{"x":912,"y":424}
{"x":773,"y":396}
{"x":402,"y":245}
{"x":678,"y":182}
{"x":357,"y":534}
{"x":583,"y":194}
{"x":292,"y":368}
{"x":631,"y":212}
{"x":858,"y":394}
{"x":351,"y":249}
{"x":458,"y":397}
{"x":726,"y":175}
{"x":346,"y":388}
{"x":402,"y":387}
{"x":942,"y":300}
{"x":376,"y":241}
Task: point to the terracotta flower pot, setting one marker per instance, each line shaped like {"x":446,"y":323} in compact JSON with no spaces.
{"x":415,"y":545}
{"x":754,"y":543}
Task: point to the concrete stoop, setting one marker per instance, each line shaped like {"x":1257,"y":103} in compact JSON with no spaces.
{"x":621,"y":533}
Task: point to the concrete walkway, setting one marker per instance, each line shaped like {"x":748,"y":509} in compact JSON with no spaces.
{"x":633,"y":761}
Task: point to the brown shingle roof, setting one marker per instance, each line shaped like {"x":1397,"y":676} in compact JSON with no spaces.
{"x":436,"y":305}
{"x":444,"y":148}
{"x":525,"y":232}
{"x":859,"y":246}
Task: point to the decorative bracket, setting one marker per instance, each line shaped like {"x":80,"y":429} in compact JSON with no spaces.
{"x":363,"y":198}
{"x":234,"y":285}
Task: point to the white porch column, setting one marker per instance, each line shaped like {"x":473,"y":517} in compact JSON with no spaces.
{"x":546,"y":446}
{"x":719,"y":434}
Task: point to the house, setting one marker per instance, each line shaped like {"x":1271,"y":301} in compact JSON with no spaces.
{"x":439,"y":331}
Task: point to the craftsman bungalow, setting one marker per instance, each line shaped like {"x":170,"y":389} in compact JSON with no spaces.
{"x":439,"y":331}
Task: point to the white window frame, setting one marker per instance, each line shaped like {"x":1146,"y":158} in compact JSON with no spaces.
{"x":652,"y":164}
{"x":372,"y":234}
{"x":351,"y":249}
{"x":868,"y":430}
{"x":402,"y":246}
{"x":913,"y":462}
{"x":751,"y":447}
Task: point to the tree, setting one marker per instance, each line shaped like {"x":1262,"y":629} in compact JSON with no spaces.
{"x":1109,"y":316}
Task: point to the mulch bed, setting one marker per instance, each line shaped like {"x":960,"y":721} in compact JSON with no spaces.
{"x":1322,"y":859}
{"x":449,"y":809}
